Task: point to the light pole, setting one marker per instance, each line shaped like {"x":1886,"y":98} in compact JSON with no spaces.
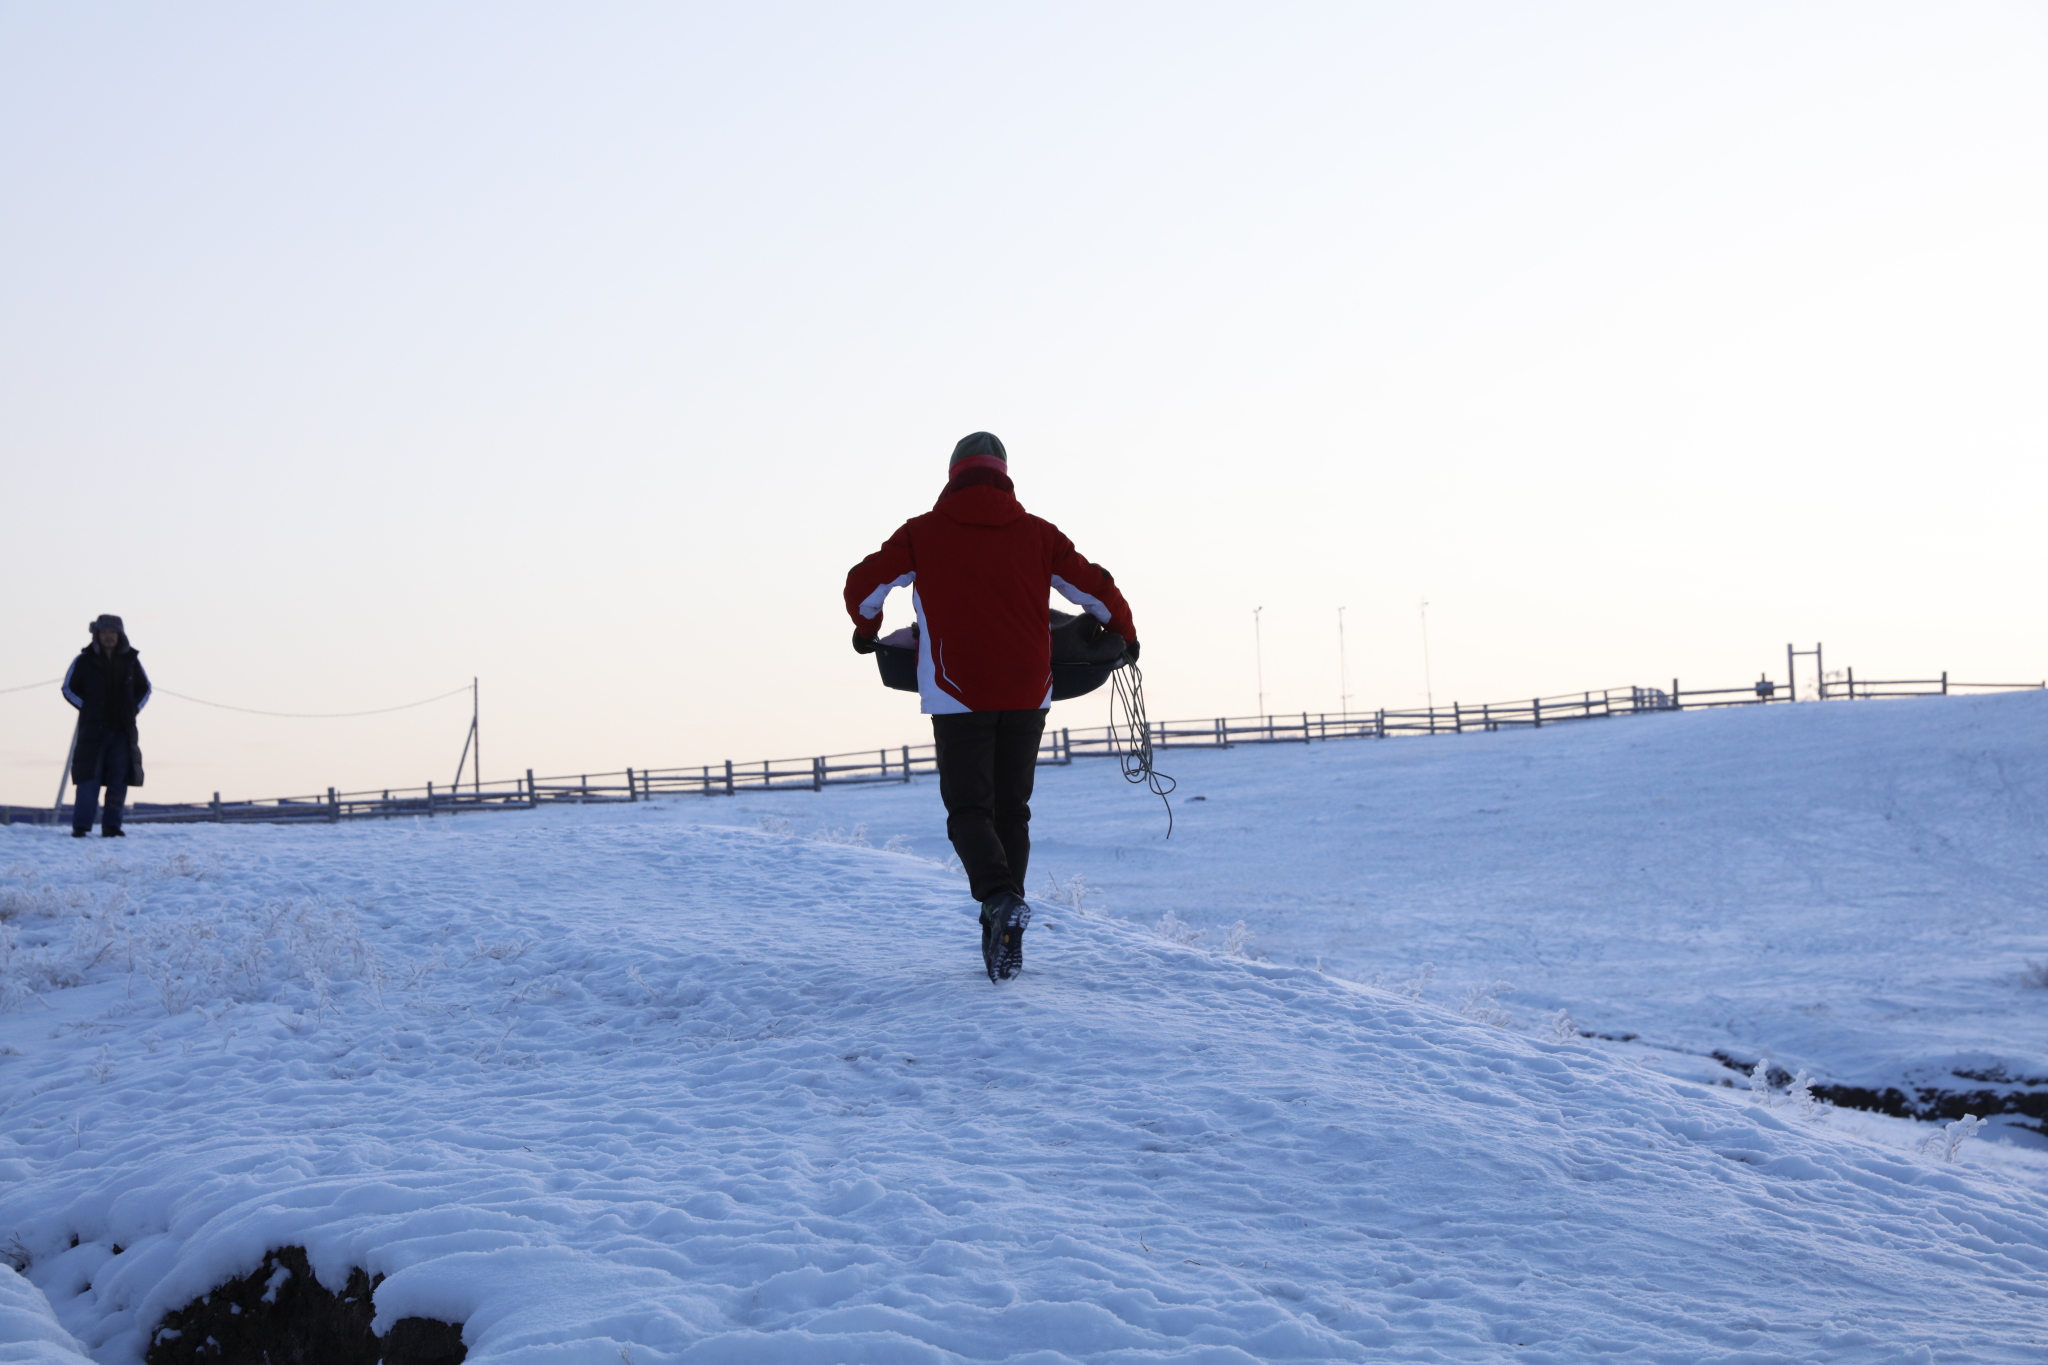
{"x":1343,"y":668}
{"x":1428,"y":683}
{"x":1259,"y":654}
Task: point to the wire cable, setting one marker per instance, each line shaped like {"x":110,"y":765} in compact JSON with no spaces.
{"x":27,"y":687}
{"x":311,"y":715}
{"x":1127,"y":698}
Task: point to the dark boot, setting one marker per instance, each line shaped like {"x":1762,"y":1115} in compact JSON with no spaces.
{"x":993,"y":913}
{"x":1004,"y":918}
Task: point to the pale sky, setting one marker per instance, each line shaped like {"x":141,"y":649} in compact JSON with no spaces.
{"x":352,"y":351}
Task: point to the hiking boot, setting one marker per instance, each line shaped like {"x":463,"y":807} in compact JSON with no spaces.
{"x":1009,"y":951}
{"x":995,"y":912}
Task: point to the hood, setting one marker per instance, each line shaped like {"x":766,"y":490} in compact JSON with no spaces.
{"x":980,"y":497}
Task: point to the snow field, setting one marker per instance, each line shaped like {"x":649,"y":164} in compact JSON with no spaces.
{"x":1853,"y":889}
{"x":617,"y":1083}
{"x":29,"y":1332}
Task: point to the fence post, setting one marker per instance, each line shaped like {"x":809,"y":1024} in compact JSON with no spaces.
{"x":430,"y":800}
{"x":632,"y":789}
{"x":817,"y":774}
{"x":728,"y":777}
{"x":333,"y":807}
{"x":906,"y":763}
{"x":1852,"y":684}
{"x":1677,"y":699}
{"x":1304,"y":728}
{"x":1536,"y":705}
{"x":1067,"y":743}
{"x":216,"y":808}
{"x":1944,"y":682}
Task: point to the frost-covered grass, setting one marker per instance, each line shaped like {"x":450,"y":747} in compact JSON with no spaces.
{"x":622,"y":1083}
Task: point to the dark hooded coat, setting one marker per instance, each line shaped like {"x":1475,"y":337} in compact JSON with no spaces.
{"x":109,"y":692}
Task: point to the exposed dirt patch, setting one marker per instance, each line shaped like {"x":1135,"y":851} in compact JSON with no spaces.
{"x":278,"y":1314}
{"x":2026,"y":1096}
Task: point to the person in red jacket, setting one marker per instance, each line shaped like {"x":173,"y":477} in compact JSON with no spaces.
{"x":980,"y":569}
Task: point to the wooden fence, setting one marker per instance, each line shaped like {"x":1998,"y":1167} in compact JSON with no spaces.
{"x":1061,"y":746}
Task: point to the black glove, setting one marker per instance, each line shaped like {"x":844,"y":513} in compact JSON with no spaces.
{"x":1131,"y":652}
{"x":864,"y":644}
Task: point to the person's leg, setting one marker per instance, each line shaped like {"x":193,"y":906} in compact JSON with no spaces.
{"x":84,"y":807}
{"x":965,"y":748}
{"x":1016,"y":770}
{"x":114,"y":777}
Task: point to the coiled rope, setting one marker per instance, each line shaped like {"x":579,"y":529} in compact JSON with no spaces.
{"x":1127,"y":699}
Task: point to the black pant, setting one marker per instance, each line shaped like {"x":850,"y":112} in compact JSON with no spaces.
{"x":113,"y":771}
{"x":987,"y":763}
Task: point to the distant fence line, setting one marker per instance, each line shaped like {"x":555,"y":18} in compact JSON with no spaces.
{"x":1059,"y":747}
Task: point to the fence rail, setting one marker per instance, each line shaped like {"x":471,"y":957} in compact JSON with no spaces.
{"x":1062,"y":746}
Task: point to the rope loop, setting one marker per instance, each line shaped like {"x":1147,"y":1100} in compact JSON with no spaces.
{"x":1127,"y":700}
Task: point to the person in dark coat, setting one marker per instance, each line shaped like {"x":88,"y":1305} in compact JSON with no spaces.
{"x":107,"y":685}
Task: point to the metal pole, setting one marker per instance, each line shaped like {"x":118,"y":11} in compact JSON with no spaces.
{"x":1428,"y":681}
{"x":70,"y":753}
{"x":476,"y":769}
{"x":1259,"y":653}
{"x":467,"y":739}
{"x":1343,"y":669}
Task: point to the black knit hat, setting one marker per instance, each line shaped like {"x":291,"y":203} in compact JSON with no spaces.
{"x":107,"y":622}
{"x":980,"y":443}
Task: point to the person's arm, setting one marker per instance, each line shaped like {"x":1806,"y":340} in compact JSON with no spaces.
{"x":871,"y":581}
{"x":1089,"y":587}
{"x":77,"y":702}
{"x":143,"y":700}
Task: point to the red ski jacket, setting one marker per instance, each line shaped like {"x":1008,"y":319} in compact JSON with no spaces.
{"x":982,"y":567}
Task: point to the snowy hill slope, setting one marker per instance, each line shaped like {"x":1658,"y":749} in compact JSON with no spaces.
{"x":618,"y":1084}
{"x":1854,"y":888}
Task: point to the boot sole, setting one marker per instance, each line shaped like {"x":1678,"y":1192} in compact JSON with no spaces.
{"x":1010,"y":947}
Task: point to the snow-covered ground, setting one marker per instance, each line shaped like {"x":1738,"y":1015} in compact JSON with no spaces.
{"x":1859,"y":890}
{"x":658,"y":1083}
